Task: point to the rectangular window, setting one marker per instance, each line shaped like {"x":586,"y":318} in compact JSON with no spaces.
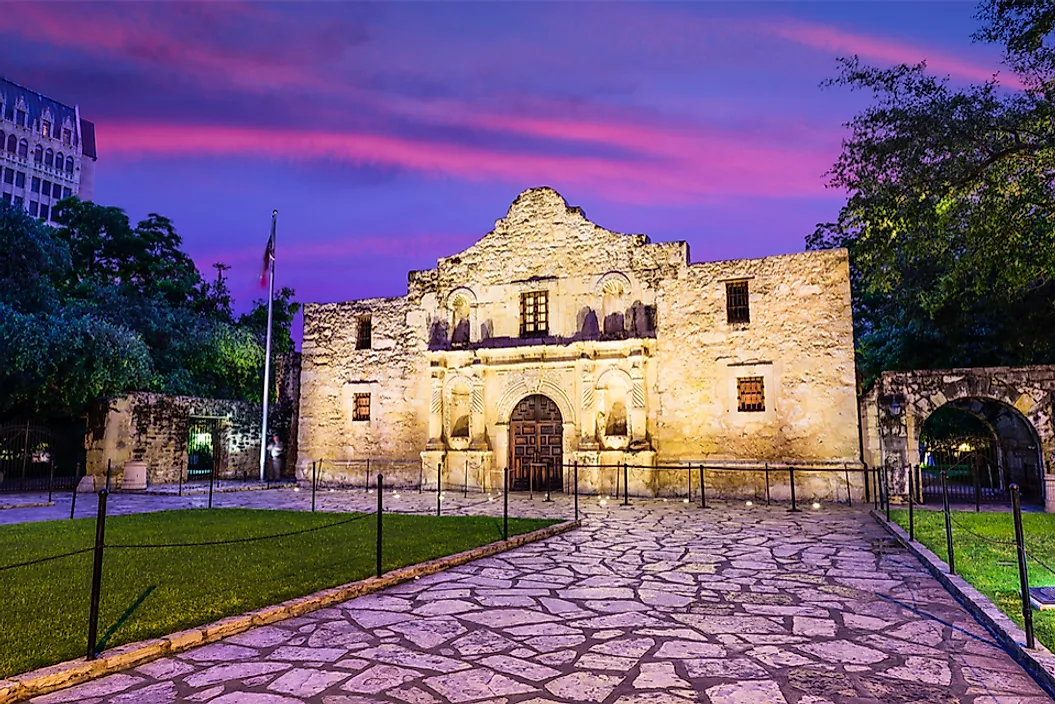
{"x":67,"y":136}
{"x":362,"y":407}
{"x":750,"y":394}
{"x":45,"y":128}
{"x":46,"y":188}
{"x":7,"y":197}
{"x":66,"y":193}
{"x":21,"y":118}
{"x":20,"y":179}
{"x":34,"y":208}
{"x":43,"y":212}
{"x":534,"y":314}
{"x":18,"y":201}
{"x":36,"y":185}
{"x":56,"y":191}
{"x":364,"y":333}
{"x":736,"y":305}
{"x":9,"y":176}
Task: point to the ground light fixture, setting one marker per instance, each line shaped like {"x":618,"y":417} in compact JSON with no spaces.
{"x":750,"y":503}
{"x":816,"y":505}
{"x":604,"y":502}
{"x":296,"y":488}
{"x":684,"y":501}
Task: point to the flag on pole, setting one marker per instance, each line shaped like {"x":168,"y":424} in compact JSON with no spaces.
{"x":269,"y":255}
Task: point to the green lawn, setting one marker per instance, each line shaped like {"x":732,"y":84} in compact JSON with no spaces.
{"x":993,"y":569}
{"x":44,"y":608}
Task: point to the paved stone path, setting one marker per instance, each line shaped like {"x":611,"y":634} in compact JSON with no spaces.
{"x":660,"y":603}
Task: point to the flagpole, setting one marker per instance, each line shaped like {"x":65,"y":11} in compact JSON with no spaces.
{"x":267,"y":349}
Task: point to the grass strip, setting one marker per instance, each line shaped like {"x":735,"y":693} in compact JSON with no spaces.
{"x":993,"y":568}
{"x":44,"y":606}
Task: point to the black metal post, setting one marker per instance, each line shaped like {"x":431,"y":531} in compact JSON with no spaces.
{"x":791,"y":474}
{"x":109,"y":464}
{"x":380,"y":512}
{"x":1023,"y":567}
{"x":703,"y":488}
{"x":212,"y":476}
{"x":887,"y":492}
{"x":549,"y":480}
{"x":76,"y":481}
{"x":873,"y":481}
{"x":51,"y":477}
{"x":465,"y":484}
{"x":626,"y":483}
{"x":439,"y":474}
{"x":181,"y":482}
{"x":849,"y":497}
{"x":531,"y":480}
{"x":576,"y":489}
{"x":97,"y":574}
{"x":977,"y":486}
{"x":688,"y":481}
{"x":911,"y":504}
{"x":948,"y":522}
{"x":505,"y":506}
{"x":767,"y":483}
{"x":314,"y":483}
{"x":421,"y":478}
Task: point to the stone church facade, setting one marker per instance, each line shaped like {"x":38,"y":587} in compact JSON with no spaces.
{"x":553,"y":340}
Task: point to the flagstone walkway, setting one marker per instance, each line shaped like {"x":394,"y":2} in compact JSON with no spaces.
{"x":653,"y":604}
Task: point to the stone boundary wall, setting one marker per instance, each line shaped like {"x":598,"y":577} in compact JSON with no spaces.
{"x":153,"y":428}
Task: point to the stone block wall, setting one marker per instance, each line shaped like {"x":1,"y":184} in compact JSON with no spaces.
{"x":153,"y":428}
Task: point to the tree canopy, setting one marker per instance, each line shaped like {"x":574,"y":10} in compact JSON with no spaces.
{"x":950,"y":216}
{"x":98,"y":307}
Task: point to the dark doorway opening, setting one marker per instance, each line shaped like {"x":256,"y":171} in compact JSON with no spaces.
{"x":984,"y":446}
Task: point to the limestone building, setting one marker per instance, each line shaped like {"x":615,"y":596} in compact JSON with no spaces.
{"x":47,"y":151}
{"x":553,"y":340}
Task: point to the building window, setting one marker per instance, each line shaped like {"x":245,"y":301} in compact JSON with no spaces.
{"x":23,"y":149}
{"x":69,"y":164}
{"x":12,"y":144}
{"x":20,"y":117}
{"x":43,"y":212}
{"x":38,"y":154}
{"x":362,"y":407}
{"x":56,"y":190}
{"x":66,"y":193}
{"x":67,"y":136}
{"x":46,"y":188}
{"x":20,"y":179}
{"x":18,"y":201}
{"x":45,"y":128}
{"x":35,"y":187}
{"x":364,"y":334}
{"x":9,"y":176}
{"x":750,"y":394}
{"x":34,"y":208}
{"x":736,"y":305}
{"x":49,"y":158}
{"x":534,"y":314}
{"x":7,"y":197}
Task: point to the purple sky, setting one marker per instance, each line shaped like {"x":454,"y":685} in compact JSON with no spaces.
{"x":388,"y":135}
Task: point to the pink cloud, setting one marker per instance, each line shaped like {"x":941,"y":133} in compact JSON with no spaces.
{"x":835,"y":40}
{"x":681,"y":167}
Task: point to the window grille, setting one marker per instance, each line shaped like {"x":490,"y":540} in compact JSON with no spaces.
{"x":364,"y":333}
{"x":534,"y":314}
{"x":362,"y":407}
{"x":750,"y":394}
{"x":736,"y":302}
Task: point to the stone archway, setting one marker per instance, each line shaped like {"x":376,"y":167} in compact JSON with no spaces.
{"x":536,"y":439}
{"x":897,"y":405}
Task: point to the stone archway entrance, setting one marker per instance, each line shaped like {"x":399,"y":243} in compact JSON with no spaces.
{"x":536,"y":438}
{"x":984,"y":446}
{"x":1015,"y":402}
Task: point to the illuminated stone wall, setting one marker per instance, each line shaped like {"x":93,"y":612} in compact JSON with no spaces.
{"x":636,"y":335}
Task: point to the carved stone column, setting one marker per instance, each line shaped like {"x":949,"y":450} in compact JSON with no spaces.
{"x":637,"y":414}
{"x":588,"y":412}
{"x":477,"y":426}
{"x":435,"y":441}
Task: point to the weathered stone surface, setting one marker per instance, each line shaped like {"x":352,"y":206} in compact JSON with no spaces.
{"x":640,"y":360}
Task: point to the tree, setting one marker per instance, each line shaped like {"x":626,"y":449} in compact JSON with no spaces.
{"x":950,"y":219}
{"x":283,"y":311}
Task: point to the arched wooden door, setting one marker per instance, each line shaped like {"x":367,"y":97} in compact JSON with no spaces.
{"x":536,"y":437}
